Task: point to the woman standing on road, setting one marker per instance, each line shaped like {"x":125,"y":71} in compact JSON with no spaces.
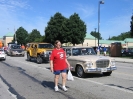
{"x":59,"y":65}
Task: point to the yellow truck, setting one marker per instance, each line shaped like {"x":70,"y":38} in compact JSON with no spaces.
{"x":39,"y":51}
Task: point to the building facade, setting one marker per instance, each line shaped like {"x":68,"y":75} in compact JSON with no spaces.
{"x":92,"y":41}
{"x":7,"y":39}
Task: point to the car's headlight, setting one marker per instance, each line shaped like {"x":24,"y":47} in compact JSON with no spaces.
{"x":112,"y":62}
{"x":89,"y":64}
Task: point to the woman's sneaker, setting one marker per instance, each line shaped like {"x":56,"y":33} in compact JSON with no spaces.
{"x":64,"y":88}
{"x":56,"y":88}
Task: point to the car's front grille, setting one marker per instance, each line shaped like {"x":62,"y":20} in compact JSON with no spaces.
{"x":102,"y":63}
{"x":19,"y":51}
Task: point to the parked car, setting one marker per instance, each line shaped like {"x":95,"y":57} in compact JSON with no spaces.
{"x":84,"y":60}
{"x":39,"y":51}
{"x":127,"y":53}
{"x":15,"y":50}
{"x":2,"y":54}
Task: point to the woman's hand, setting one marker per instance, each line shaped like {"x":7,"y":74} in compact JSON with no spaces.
{"x":68,"y":65}
{"x":51,"y":68}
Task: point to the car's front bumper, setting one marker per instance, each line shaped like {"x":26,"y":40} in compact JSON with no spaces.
{"x":45,"y":57}
{"x":18,"y":54}
{"x":100,"y":70}
{"x":2,"y":56}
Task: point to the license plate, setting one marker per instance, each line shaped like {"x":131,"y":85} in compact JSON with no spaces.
{"x":104,"y":70}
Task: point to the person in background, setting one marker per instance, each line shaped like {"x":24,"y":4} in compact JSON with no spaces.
{"x":98,"y":50}
{"x":59,"y":65}
{"x":104,"y":51}
{"x":23,"y":47}
{"x":109,"y":50}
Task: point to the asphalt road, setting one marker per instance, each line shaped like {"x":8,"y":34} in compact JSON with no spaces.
{"x":29,"y":80}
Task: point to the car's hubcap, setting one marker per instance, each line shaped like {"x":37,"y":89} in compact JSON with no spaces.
{"x":80,"y":71}
{"x":38,"y":59}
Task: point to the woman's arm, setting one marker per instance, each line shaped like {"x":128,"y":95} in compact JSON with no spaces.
{"x":51,"y":65}
{"x":67,"y":64}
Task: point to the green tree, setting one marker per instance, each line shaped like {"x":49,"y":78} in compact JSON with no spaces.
{"x":66,"y":35}
{"x":122,"y":36}
{"x":131,"y":26}
{"x":21,"y":35}
{"x":41,"y":39}
{"x":77,"y":29}
{"x":95,"y":34}
{"x":54,"y":30}
{"x":34,"y":35}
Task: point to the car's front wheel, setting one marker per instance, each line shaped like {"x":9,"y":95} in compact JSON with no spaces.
{"x":39,"y":59}
{"x":107,"y":73}
{"x":80,"y":71}
{"x":28,"y":57}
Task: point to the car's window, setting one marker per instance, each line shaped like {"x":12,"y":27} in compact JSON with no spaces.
{"x":35,"y":46}
{"x":68,"y":52}
{"x":32,"y":45}
{"x":45,"y":46}
{"x":76,"y":51}
{"x":28,"y":45}
{"x":83,"y":51}
{"x":16,"y":47}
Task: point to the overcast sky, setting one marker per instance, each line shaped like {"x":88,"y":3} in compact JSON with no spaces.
{"x":115,"y":15}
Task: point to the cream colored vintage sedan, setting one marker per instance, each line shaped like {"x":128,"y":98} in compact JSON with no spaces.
{"x":84,"y":60}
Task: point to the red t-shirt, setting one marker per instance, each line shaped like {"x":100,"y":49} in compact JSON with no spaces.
{"x":58,"y":56}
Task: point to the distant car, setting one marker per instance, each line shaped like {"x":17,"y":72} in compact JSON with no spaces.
{"x":84,"y":60}
{"x":2,"y":54}
{"x":16,"y":50}
{"x":127,"y":53}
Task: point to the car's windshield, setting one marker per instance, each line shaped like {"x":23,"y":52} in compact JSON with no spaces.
{"x":45,"y":46}
{"x":16,"y":47}
{"x":83,"y":51}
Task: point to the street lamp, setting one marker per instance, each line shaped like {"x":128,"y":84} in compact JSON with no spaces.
{"x":15,"y":36}
{"x":95,"y":37}
{"x":100,"y":2}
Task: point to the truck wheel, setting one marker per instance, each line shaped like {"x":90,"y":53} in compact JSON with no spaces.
{"x":80,"y":72}
{"x":39,"y":59}
{"x":107,"y":73}
{"x":28,"y":57}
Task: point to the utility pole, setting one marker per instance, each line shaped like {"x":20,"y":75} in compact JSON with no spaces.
{"x":15,"y":36}
{"x":100,"y":2}
{"x":95,"y":37}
